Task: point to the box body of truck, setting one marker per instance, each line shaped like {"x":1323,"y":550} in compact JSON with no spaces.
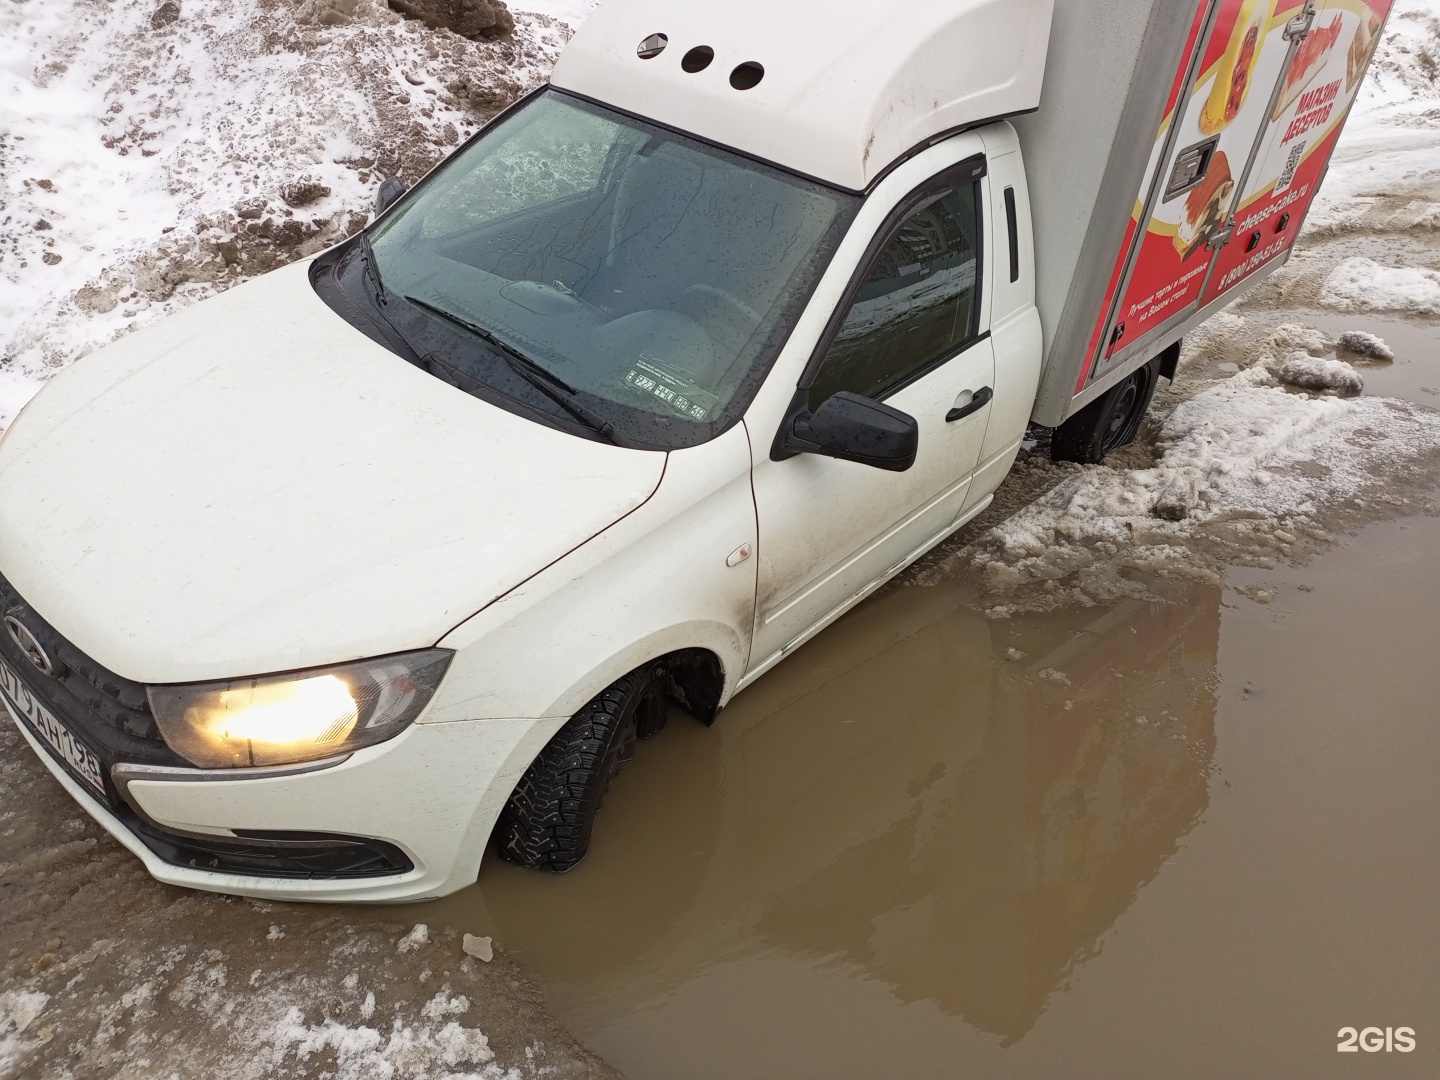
{"x":1175,"y":153}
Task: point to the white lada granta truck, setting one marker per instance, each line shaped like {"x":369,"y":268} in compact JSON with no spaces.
{"x":318,"y":588}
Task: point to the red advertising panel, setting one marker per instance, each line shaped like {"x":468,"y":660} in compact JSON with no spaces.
{"x":1176,"y":89}
{"x":1254,"y":91}
{"x":1302,"y":130}
{"x":1245,"y":55}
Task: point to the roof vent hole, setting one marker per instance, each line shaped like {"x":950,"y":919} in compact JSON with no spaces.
{"x":747,"y":76}
{"x":698,"y":59}
{"x":652,"y":46}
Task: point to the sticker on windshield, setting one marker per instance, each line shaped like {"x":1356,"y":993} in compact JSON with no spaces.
{"x":674,"y":391}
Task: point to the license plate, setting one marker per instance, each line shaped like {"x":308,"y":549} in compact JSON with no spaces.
{"x":43,"y":722}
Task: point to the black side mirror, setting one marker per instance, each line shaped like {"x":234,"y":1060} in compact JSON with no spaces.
{"x":391,"y":188}
{"x":851,"y":428}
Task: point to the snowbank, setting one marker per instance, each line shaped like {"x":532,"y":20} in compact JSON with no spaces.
{"x":1317,"y":373}
{"x":1245,"y":472}
{"x":1361,"y":284}
{"x":148,"y":161}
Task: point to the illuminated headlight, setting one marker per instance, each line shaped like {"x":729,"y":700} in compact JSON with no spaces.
{"x":303,"y":716}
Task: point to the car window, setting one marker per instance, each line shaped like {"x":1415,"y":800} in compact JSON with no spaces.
{"x":918,"y":305}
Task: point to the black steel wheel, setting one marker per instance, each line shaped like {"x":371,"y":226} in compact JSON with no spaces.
{"x":548,"y":821}
{"x":1109,"y":422}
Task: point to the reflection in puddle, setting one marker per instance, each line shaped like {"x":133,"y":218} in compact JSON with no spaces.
{"x":908,"y":814}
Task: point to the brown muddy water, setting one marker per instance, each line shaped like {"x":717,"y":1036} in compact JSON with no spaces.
{"x":1189,"y":839}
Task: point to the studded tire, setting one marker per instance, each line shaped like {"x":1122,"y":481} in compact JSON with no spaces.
{"x":547,"y":823}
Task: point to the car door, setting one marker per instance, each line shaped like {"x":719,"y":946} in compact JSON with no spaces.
{"x":910,"y":332}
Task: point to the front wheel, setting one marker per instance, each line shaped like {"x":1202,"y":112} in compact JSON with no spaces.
{"x":1109,"y":422}
{"x":547,"y":823}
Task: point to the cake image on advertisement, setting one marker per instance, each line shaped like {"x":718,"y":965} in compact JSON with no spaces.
{"x":1205,"y":207}
{"x":1309,"y":61}
{"x":1367,"y":36}
{"x":1236,"y":70}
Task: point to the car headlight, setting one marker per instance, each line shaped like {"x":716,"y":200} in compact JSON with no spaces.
{"x":302,"y":716}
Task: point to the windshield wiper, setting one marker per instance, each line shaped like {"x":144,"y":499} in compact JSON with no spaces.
{"x":544,"y":380}
{"x":367,"y":258}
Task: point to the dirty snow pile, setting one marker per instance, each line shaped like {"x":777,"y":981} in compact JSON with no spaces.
{"x":270,"y":1023}
{"x":153,"y":152}
{"x":1248,"y":471}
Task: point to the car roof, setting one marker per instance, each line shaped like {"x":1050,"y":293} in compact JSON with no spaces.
{"x":848,"y":86}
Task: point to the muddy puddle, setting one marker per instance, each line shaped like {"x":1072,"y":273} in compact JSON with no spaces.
{"x":1182,"y":839}
{"x":1191,"y":838}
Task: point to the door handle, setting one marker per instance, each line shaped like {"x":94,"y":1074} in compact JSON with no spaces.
{"x":982,"y":398}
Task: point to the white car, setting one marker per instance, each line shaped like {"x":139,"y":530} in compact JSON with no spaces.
{"x":314,"y":587}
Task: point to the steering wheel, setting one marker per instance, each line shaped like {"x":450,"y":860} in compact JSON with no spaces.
{"x":713,"y":292}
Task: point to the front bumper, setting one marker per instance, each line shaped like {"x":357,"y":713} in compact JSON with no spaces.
{"x":433,"y":792}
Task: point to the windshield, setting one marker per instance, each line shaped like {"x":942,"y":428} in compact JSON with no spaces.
{"x":651,"y":274}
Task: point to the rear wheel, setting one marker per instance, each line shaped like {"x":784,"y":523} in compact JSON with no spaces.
{"x":1109,"y":422}
{"x":548,"y":821}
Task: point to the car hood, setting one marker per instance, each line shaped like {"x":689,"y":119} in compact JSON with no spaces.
{"x":252,"y":485}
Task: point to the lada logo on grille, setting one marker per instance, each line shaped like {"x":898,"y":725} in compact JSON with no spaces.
{"x":29,"y":645}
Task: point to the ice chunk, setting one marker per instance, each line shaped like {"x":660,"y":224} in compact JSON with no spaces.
{"x":1315,"y":373}
{"x":418,"y":936}
{"x":482,"y":948}
{"x":1368,"y":345}
{"x":445,"y":1004}
{"x":1294,"y":337}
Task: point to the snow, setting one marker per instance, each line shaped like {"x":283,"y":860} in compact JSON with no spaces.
{"x":18,"y":1010}
{"x":573,"y":12}
{"x":1361,"y":343}
{"x":1318,"y":373}
{"x":1360,"y":284}
{"x":143,"y":167}
{"x":281,"y":1023}
{"x":1387,"y":169}
{"x":407,"y":1050}
{"x":1244,"y":473}
{"x":418,"y":936}
{"x":1250,"y":469}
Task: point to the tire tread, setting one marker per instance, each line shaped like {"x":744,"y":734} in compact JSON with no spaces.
{"x":547,"y":822}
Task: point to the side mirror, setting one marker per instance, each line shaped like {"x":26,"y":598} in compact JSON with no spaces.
{"x":391,"y":188}
{"x":852,"y":428}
